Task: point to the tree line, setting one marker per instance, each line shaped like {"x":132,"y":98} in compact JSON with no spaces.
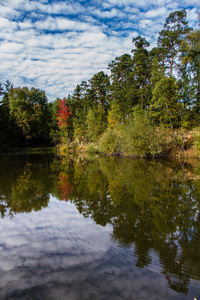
{"x":145,"y":92}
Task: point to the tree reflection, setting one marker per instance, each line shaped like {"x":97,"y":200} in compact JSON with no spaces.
{"x":24,"y":184}
{"x":151,"y":205}
{"x":64,"y":187}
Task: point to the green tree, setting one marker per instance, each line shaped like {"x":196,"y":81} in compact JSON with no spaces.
{"x":54,"y":132}
{"x":30,"y":111}
{"x":157,"y":72}
{"x":190,"y":59}
{"x":141,"y":69}
{"x":95,"y":123}
{"x":170,"y":38}
{"x":10,"y":134}
{"x":100,"y":84}
{"x":7,"y":87}
{"x":121,"y":81}
{"x":4,"y":120}
{"x":1,"y":89}
{"x":114,"y":115}
{"x":79,"y":108}
{"x":165,"y":107}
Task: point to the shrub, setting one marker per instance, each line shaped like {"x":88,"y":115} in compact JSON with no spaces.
{"x":92,"y":148}
{"x":197,"y":141}
{"x":95,"y":124}
{"x":138,"y":137}
{"x":143,"y":139}
{"x":64,"y":150}
{"x":111,"y":141}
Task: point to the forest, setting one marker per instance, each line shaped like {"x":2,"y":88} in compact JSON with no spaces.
{"x":147,"y":106}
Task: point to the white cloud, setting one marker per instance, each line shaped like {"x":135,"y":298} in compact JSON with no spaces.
{"x":192,"y":14}
{"x":10,"y":47}
{"x":123,"y":3}
{"x":156,"y":12}
{"x":25,"y":25}
{"x":62,"y":8}
{"x":7,"y":11}
{"x":13,"y":7}
{"x":7,"y":24}
{"x":56,"y":46}
{"x":60,"y":24}
{"x":108,"y":13}
{"x":4,"y":23}
{"x":145,"y":23}
{"x":131,"y":10}
{"x":191,"y":3}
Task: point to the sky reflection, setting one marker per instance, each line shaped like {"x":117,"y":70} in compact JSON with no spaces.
{"x":56,"y":253}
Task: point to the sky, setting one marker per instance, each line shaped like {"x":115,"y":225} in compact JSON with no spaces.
{"x":53,"y":45}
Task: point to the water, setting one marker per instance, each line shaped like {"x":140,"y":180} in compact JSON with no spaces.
{"x":100,"y":228}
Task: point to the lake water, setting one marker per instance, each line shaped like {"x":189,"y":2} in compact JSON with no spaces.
{"x":100,"y":228}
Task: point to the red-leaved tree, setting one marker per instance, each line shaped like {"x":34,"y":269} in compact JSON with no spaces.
{"x":63,"y":113}
{"x":62,"y":117}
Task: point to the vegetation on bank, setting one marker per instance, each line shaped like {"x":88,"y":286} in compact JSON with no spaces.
{"x":148,"y":106}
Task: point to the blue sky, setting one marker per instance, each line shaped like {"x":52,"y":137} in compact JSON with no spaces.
{"x":53,"y":45}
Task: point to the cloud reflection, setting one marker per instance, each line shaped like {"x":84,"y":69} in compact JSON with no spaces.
{"x":56,"y":253}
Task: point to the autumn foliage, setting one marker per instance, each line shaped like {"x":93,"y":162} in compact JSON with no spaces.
{"x":63,"y":114}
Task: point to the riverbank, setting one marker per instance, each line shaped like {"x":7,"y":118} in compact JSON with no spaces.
{"x":116,"y":143}
{"x":37,"y":150}
{"x":159,"y":145}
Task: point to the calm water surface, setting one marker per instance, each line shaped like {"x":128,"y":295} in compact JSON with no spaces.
{"x":100,"y":228}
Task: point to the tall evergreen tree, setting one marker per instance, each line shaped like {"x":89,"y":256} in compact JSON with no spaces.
{"x":141,"y":68}
{"x":170,"y":38}
{"x":190,"y":59}
{"x":79,"y":108}
{"x":100,"y":85}
{"x":121,"y":81}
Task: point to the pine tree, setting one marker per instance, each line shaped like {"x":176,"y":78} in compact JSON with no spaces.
{"x":141,"y":69}
{"x":170,"y":38}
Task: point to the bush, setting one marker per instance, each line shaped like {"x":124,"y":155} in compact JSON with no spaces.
{"x":197,"y":141}
{"x":92,"y":148}
{"x":64,"y":150}
{"x":111,"y":141}
{"x":95,"y":124}
{"x":139,"y":137}
{"x":143,"y":139}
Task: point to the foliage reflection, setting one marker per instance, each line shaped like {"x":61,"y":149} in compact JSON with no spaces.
{"x":25,"y":183}
{"x":152,"y":206}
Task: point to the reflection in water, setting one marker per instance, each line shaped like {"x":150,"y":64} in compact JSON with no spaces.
{"x":64,"y":187}
{"x":141,"y":225}
{"x":25,"y":183}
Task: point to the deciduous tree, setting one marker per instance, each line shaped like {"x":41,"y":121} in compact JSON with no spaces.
{"x":165,"y":107}
{"x":30,"y":111}
{"x":62,"y":119}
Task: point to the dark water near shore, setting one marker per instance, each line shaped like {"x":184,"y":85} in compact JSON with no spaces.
{"x":100,"y":228}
